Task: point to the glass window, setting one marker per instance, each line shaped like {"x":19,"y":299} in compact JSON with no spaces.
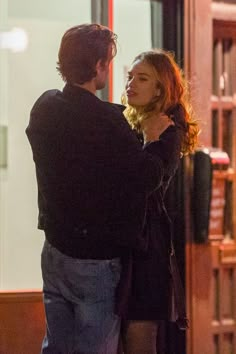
{"x":30,"y":33}
{"x":132,"y":24}
{"x":138,"y":24}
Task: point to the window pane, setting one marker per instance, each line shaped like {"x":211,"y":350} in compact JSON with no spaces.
{"x":24,"y":75}
{"x":132,"y":38}
{"x":215,"y":128}
{"x":227,"y":132}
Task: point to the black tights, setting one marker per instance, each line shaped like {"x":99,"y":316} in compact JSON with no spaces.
{"x":139,"y":337}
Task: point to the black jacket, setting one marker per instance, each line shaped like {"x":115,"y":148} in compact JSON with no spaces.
{"x":150,"y":288}
{"x":93,"y":176}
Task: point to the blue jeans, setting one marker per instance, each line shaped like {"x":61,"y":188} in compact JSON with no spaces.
{"x":79,"y":304}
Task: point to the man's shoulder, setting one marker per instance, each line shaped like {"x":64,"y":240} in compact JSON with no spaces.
{"x":91,"y":104}
{"x":48,"y":95}
{"x":45,"y":99}
{"x":112,"y":109}
{"x":115,"y":107}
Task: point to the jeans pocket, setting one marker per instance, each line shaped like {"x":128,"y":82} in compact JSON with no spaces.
{"x":46,"y":259}
{"x":115,"y":268}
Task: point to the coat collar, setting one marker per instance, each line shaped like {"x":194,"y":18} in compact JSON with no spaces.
{"x":73,"y":92}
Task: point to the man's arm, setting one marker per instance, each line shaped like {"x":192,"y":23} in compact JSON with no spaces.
{"x":143,"y":169}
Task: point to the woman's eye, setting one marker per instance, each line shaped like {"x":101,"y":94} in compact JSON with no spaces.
{"x":143,"y":79}
{"x":129,"y":78}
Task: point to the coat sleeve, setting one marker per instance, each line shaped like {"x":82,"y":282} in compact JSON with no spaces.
{"x":168,"y":149}
{"x":142,"y":169}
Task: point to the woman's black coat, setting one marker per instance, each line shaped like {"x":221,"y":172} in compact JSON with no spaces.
{"x":145,"y":287}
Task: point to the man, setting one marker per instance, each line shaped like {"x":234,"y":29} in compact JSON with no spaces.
{"x":93,"y":177}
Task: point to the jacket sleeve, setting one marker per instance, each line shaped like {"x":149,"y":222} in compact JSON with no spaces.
{"x":145,"y":167}
{"x":168,"y":149}
{"x":142,"y":170}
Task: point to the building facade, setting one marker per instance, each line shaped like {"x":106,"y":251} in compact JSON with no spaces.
{"x":202,"y":34}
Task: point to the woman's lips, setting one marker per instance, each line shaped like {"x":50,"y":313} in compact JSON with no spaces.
{"x":130,"y":93}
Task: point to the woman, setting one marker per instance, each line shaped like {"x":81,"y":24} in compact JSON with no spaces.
{"x":155,"y":85}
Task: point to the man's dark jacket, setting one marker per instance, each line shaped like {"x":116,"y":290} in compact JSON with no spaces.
{"x":92,"y":173}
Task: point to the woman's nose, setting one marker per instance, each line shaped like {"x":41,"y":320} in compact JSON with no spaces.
{"x":132,"y":82}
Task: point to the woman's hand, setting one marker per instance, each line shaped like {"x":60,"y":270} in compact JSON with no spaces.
{"x":154,"y":126}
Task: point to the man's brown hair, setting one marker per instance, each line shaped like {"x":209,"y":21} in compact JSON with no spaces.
{"x":81,"y":48}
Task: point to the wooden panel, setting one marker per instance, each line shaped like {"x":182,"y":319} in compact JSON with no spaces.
{"x":228,"y":343}
{"x":223,"y":12}
{"x":22,"y":323}
{"x":200,"y":299}
{"x":198,"y":69}
{"x":227,"y":305}
{"x":198,"y":60}
{"x":216,"y":222}
{"x":211,"y":297}
{"x":224,"y":29}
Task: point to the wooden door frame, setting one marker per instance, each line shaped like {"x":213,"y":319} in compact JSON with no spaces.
{"x":200,"y":258}
{"x":198,"y":55}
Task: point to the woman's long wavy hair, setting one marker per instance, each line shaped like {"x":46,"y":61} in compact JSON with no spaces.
{"x":173,"y":99}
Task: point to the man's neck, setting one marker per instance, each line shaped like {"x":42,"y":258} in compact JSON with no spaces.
{"x":89,"y":86}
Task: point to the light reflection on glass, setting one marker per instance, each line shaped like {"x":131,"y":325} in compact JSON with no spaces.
{"x":16,"y":40}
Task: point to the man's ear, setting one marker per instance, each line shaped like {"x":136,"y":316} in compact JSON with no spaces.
{"x":98,"y":65}
{"x":101,"y":65}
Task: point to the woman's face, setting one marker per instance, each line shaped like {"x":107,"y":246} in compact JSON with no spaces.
{"x":141,"y":84}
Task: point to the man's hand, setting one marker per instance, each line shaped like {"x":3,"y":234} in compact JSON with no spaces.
{"x":154,"y":126}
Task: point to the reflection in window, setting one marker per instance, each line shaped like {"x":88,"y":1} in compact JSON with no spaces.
{"x":216,"y":57}
{"x":216,"y":292}
{"x":157,"y":23}
{"x":222,"y":67}
{"x":227,"y":132}
{"x":227,"y":67}
{"x":215,"y":128}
